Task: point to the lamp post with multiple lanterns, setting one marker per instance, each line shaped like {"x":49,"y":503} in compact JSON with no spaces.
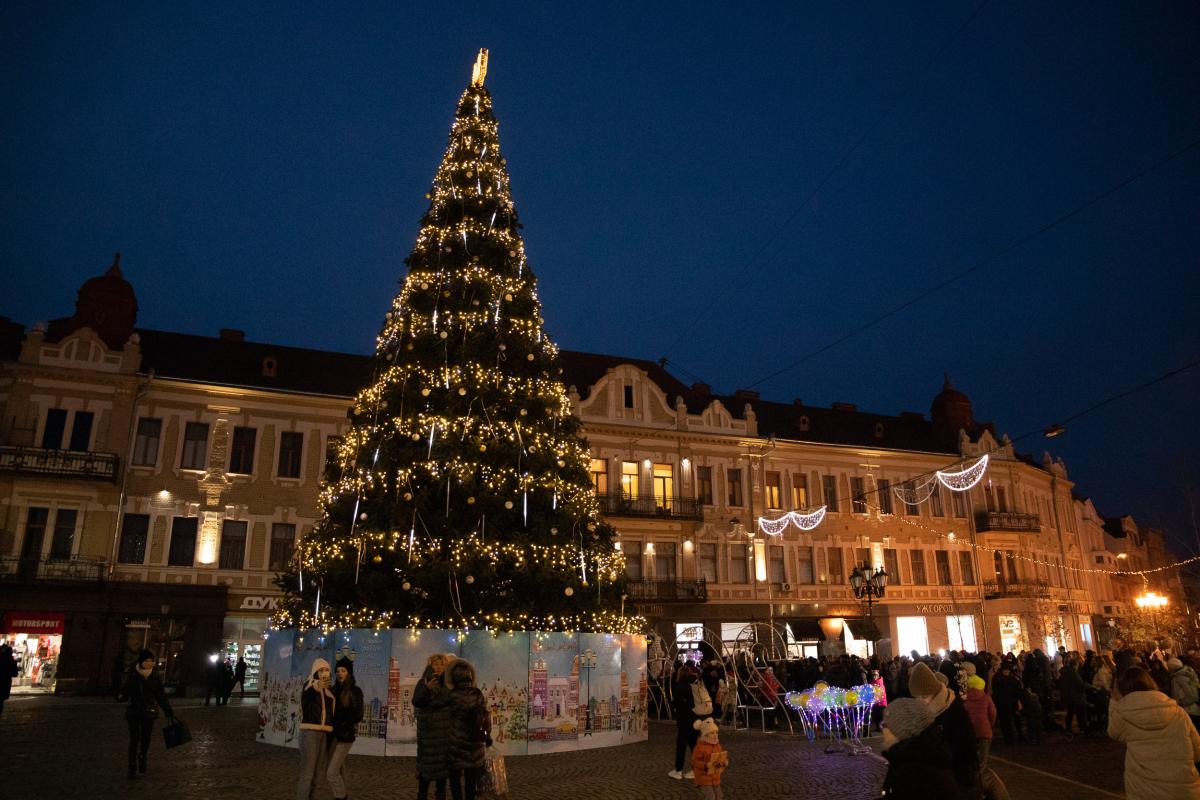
{"x":869,"y":587}
{"x":1153,"y":603}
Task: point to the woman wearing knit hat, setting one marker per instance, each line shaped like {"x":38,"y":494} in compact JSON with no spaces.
{"x":951,"y":720}
{"x":919,"y":762}
{"x":316,"y":723}
{"x":347,"y":713}
{"x":144,"y":692}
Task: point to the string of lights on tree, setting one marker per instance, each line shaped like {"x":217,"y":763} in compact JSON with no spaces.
{"x":461,"y":496}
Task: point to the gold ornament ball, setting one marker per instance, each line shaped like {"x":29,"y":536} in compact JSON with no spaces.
{"x":482,"y":448}
{"x":408,"y":495}
{"x":554,"y":531}
{"x":446,"y":293}
{"x":470,"y":579}
{"x":425,"y":393}
{"x":584,"y":584}
{"x":363,"y":516}
{"x":503,"y":347}
{"x":378,"y":559}
{"x":568,"y":591}
{"x":424,"y":285}
{"x":416,"y":437}
{"x":523,"y":412}
{"x":529,"y":357}
{"x":508,"y":297}
{"x":562,"y":463}
{"x":470,"y":501}
{"x":443,"y":335}
{"x":406,"y":586}
{"x":461,"y":391}
{"x":408,"y":347}
{"x":508,"y":503}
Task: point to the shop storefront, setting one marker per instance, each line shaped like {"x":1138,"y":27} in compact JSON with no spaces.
{"x":36,"y":639}
{"x":242,"y":633}
{"x":929,"y":628}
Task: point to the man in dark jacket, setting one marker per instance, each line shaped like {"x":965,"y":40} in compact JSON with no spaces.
{"x":1074,"y":694}
{"x":1006,"y":693}
{"x":146,"y":697}
{"x":239,"y":676}
{"x":953,"y":722}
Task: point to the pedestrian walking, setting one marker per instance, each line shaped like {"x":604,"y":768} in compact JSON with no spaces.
{"x":919,"y":760}
{"x":316,"y":723}
{"x":224,"y":683}
{"x":146,"y":699}
{"x":431,"y":701}
{"x":239,"y":676}
{"x":689,"y":704}
{"x":1161,"y":744}
{"x":470,"y":731}
{"x":347,"y":713}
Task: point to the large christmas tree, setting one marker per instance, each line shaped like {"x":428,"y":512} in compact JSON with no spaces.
{"x":462,"y":497}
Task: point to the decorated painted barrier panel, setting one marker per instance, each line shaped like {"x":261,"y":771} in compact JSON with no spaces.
{"x":548,"y":692}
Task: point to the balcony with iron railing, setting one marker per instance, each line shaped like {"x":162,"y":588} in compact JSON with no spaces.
{"x":1038,"y":590}
{"x":72,"y":568}
{"x":41,"y":461}
{"x":667,"y":591}
{"x":621,"y":505}
{"x":1007,"y":521}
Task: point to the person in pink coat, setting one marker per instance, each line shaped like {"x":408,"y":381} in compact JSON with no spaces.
{"x":982,"y":712}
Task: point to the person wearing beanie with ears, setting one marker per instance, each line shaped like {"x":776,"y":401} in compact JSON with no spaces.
{"x":709,"y":759}
{"x":919,"y":761}
{"x":145,"y":695}
{"x":347,"y":713}
{"x":951,"y":721}
{"x":316,"y":723}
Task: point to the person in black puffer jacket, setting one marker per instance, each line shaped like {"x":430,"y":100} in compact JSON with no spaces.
{"x":953,"y":725}
{"x":920,"y":765}
{"x":431,"y":699}
{"x":316,"y":723}
{"x":144,"y":691}
{"x":347,"y":713}
{"x":683,"y":703}
{"x":470,"y":730}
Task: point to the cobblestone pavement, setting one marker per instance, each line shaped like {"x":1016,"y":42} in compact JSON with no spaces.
{"x":75,"y":748}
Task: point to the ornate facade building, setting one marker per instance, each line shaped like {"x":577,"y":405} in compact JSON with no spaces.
{"x":152,"y":483}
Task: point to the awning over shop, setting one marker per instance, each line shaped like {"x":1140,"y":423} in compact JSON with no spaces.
{"x":41,"y":623}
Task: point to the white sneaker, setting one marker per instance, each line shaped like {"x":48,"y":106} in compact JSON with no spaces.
{"x":689,"y":774}
{"x":676,"y":774}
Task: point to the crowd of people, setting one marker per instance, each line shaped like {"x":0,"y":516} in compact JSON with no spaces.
{"x":939,"y":714}
{"x":222,"y":678}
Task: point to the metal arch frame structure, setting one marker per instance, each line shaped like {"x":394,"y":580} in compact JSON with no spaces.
{"x":665,"y":681}
{"x":776,"y":644}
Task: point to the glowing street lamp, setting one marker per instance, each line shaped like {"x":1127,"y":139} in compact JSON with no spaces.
{"x":1153,"y":602}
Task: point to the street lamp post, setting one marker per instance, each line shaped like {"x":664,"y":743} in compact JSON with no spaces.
{"x":1153,"y":602}
{"x":587,"y":661}
{"x":869,"y":588}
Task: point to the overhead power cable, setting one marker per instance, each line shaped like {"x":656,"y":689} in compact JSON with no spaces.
{"x":773,"y":236}
{"x":978,"y":265}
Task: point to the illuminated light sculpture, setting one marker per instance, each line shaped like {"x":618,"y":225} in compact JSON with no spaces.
{"x":963,"y":480}
{"x":805,"y":522}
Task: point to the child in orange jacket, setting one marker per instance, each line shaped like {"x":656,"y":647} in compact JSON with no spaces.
{"x":709,"y":759}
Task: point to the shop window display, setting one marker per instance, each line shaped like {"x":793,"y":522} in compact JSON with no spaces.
{"x":37,"y":660}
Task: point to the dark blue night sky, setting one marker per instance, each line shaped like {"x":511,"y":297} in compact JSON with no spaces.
{"x":266,"y":169}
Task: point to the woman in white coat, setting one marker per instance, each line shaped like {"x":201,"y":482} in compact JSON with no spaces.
{"x":1162,"y":746}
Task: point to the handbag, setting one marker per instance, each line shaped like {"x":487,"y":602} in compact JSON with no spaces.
{"x":493,"y":781}
{"x":176,"y":733}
